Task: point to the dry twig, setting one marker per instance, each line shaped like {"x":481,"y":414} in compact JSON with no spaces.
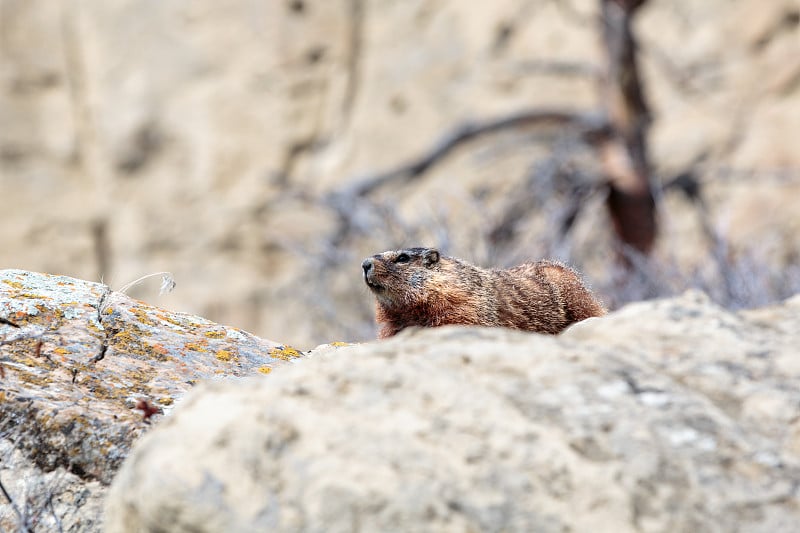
{"x":589,"y":125}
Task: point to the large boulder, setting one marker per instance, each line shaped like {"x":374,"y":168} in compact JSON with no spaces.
{"x":84,"y":371}
{"x":666,"y":416}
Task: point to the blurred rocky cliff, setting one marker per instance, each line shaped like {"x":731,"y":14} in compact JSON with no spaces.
{"x":216,"y":140}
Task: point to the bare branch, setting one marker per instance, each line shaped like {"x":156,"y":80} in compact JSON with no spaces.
{"x":562,"y":218}
{"x":588,"y":124}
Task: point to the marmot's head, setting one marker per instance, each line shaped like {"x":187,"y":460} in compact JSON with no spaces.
{"x":399,"y":276}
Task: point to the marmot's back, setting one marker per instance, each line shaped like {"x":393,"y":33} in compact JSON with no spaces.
{"x":579,"y":302}
{"x":418,"y":287}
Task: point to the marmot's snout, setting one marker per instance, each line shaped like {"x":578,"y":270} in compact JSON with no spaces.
{"x":368,"y":265}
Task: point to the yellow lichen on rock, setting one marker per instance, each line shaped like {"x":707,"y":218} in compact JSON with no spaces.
{"x":142,"y":315}
{"x":224,"y":355}
{"x":80,"y":357}
{"x":196,"y":346}
{"x":285,"y":353}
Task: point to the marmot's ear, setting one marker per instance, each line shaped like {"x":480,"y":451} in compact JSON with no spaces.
{"x":430,"y":257}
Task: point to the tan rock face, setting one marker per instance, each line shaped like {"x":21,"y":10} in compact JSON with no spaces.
{"x":665,"y":416}
{"x":190,"y":136}
{"x":84,"y":371}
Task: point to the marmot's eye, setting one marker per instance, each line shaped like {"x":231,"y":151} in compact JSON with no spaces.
{"x":402,"y":258}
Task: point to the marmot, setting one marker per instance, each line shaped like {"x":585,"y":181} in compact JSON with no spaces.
{"x":419,"y":287}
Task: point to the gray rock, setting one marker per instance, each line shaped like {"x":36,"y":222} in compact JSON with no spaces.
{"x":671,"y":415}
{"x":83,"y":372}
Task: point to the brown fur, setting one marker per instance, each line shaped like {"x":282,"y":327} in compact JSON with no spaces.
{"x":418,"y":287}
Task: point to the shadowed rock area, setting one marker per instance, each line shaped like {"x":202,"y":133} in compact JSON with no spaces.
{"x":666,"y":416}
{"x":84,"y":370}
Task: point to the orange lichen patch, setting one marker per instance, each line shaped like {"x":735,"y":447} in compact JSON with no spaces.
{"x":215,"y":334}
{"x":340,"y":343}
{"x":284,"y":353}
{"x":165,"y":401}
{"x":61,"y":351}
{"x":109,"y":310}
{"x":15,"y":284}
{"x":159,"y":348}
{"x":224,"y":355}
{"x":264,"y":369}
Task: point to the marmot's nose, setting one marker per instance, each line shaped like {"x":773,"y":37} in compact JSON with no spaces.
{"x":367,"y":265}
